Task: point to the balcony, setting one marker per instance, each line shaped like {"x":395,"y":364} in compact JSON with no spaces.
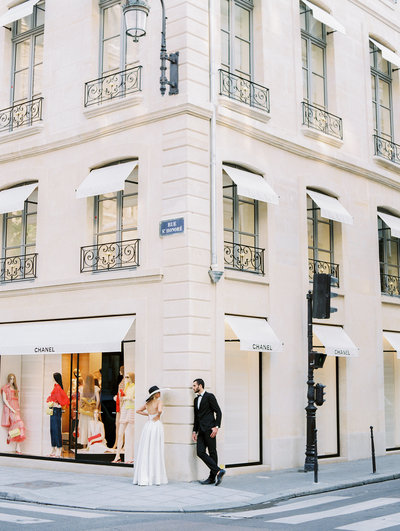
{"x":390,"y":285}
{"x":15,"y":268}
{"x":327,"y":268}
{"x":241,"y":89}
{"x":20,"y":114}
{"x":116,"y":85}
{"x":386,"y":149}
{"x":110,"y":256}
{"x":244,"y":258}
{"x":322,"y":121}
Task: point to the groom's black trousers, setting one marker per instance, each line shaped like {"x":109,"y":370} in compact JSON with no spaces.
{"x":204,"y":441}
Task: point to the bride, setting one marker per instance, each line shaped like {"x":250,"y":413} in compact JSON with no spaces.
{"x":150,"y":464}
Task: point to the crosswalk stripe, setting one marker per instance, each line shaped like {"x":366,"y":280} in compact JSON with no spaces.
{"x":374,"y":524}
{"x":51,"y":510}
{"x":283,"y":508}
{"x":338,"y":511}
{"x":17,"y":519}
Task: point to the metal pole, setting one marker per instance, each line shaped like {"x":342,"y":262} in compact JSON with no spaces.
{"x":163,"y":52}
{"x":373,"y":450}
{"x":316,"y":457}
{"x":311,"y":456}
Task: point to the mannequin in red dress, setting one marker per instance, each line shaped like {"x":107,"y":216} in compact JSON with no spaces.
{"x":11,"y":416}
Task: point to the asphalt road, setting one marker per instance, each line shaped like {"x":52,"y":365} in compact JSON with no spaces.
{"x":367,"y":508}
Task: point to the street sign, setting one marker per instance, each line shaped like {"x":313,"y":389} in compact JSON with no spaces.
{"x":172,"y":226}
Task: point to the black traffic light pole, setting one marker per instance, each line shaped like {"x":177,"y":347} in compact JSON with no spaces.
{"x":311,"y":448}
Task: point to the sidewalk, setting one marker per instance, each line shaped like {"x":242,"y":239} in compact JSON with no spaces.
{"x":107,"y":492}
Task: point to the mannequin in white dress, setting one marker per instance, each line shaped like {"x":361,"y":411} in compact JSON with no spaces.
{"x":97,"y":443}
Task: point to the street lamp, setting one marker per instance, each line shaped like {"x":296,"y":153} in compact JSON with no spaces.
{"x":135,"y":13}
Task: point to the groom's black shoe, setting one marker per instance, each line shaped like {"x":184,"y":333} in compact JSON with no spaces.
{"x":220,"y":476}
{"x":208,"y":481}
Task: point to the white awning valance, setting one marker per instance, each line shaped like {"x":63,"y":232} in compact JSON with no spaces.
{"x":103,"y":334}
{"x":254,"y":334}
{"x":336,"y":341}
{"x":106,"y":180}
{"x":324,"y":17}
{"x":16,"y":13}
{"x":251,"y":185}
{"x":13,"y":199}
{"x":387,"y":54}
{"x":330,"y":207}
{"x":394,"y":339}
{"x":392,"y":222}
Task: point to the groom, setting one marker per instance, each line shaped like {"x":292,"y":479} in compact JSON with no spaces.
{"x":207,"y":420}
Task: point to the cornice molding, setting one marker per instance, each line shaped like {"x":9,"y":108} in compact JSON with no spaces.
{"x":376,"y":14}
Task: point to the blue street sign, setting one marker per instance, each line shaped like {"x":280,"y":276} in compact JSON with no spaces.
{"x":172,"y":226}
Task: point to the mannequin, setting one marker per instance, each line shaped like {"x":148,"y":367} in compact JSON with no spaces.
{"x":117,"y":398}
{"x":127,"y":420}
{"x":97,"y":443}
{"x":88,"y":402}
{"x":57,"y":400}
{"x":74,"y":396}
{"x":11,"y":417}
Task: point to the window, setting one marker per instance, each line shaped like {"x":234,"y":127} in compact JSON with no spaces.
{"x":381,"y":85}
{"x":236,"y":37}
{"x":313,"y":47}
{"x":27,"y":56}
{"x":389,"y":260}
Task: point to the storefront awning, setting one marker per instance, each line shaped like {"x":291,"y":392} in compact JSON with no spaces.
{"x":392,"y":222}
{"x":254,"y":334}
{"x":394,"y":339}
{"x":13,"y":199}
{"x":106,"y":180}
{"x":387,"y":54}
{"x":324,"y":17}
{"x":251,"y":185}
{"x":20,"y":11}
{"x":330,"y":207}
{"x":336,"y":341}
{"x":103,"y":334}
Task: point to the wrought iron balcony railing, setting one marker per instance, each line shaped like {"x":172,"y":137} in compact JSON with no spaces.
{"x":321,"y":120}
{"x":115,"y":85}
{"x":244,"y":257}
{"x":329,"y":268}
{"x":243,"y":90}
{"x":19,"y":114}
{"x":107,"y":256}
{"x":18,"y":267}
{"x":390,"y":285}
{"x":387,"y":149}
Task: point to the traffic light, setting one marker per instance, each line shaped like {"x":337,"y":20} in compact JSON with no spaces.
{"x":322,"y":296}
{"x":319,"y":394}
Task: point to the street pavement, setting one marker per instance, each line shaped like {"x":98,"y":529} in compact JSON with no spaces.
{"x":114,"y":493}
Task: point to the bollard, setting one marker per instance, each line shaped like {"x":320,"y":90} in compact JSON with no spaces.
{"x":316,"y":457}
{"x":373,"y":450}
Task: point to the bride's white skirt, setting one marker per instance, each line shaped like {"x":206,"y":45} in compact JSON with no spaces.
{"x":150,"y":462}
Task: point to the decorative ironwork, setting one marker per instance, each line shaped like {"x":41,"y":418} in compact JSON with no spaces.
{"x":115,"y":85}
{"x":18,"y":267}
{"x":244,"y":257}
{"x":323,"y":121}
{"x":387,"y":149}
{"x":243,"y":90}
{"x":113,"y":255}
{"x":20,"y":114}
{"x":390,"y":285}
{"x":328,"y":268}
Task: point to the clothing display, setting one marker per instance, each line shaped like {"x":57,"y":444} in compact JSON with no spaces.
{"x":97,"y":443}
{"x":11,"y":420}
{"x":128,"y":404}
{"x":150,"y":462}
{"x":59,"y":399}
{"x":87,"y":406}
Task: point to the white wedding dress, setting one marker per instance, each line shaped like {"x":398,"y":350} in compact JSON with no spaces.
{"x":150,"y":463}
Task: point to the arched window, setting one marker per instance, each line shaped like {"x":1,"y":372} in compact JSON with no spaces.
{"x":389,"y":253}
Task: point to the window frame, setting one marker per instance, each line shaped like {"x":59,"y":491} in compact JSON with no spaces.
{"x":380,"y":76}
{"x":316,"y":219}
{"x":23,"y":214}
{"x":385,"y":236}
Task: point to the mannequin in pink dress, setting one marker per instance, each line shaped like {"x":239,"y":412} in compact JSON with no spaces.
{"x":11,"y":415}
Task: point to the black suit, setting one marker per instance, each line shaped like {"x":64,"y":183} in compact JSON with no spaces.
{"x":205,"y":418}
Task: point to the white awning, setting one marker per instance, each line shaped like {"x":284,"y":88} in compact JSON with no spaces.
{"x":16,"y":13}
{"x":103,"y":334}
{"x":325,"y":17}
{"x":394,"y":340}
{"x":331,"y":208}
{"x":13,"y":199}
{"x":392,"y":222}
{"x":336,"y":341}
{"x":252,"y":185}
{"x":106,"y":180}
{"x":387,"y":54}
{"x":254,"y":334}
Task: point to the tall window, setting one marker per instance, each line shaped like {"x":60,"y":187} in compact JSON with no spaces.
{"x":320,"y":241}
{"x":117,"y":52}
{"x":381,"y":84}
{"x":27,"y":56}
{"x":236,"y":37}
{"x":389,"y":260}
{"x":313,"y":48}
